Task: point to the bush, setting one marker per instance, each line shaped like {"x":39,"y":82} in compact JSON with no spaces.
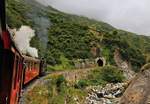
{"x":61,"y":79}
{"x":111,"y":74}
{"x":64,"y":64}
{"x":81,"y":84}
{"x":60,"y":83}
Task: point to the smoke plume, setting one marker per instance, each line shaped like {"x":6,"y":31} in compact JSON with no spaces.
{"x":22,"y":38}
{"x":41,"y":22}
{"x":37,"y":14}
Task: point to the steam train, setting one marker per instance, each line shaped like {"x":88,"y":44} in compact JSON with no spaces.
{"x":16,"y":70}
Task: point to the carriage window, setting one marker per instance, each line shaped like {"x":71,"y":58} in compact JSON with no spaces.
{"x":27,"y":65}
{"x":33,"y":67}
{"x":30,"y":66}
{"x":36,"y":66}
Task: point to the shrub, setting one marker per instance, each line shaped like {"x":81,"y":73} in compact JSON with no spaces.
{"x":60,"y":82}
{"x":81,"y":84}
{"x":61,"y":79}
{"x":111,"y":74}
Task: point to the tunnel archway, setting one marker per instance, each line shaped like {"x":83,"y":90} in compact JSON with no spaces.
{"x":100,"y":62}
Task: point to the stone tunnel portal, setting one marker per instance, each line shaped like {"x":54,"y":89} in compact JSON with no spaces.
{"x":100,"y":62}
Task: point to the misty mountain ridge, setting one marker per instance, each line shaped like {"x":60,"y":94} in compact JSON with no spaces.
{"x":73,"y":36}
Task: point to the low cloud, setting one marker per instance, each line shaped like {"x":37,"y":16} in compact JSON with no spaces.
{"x":131,"y":15}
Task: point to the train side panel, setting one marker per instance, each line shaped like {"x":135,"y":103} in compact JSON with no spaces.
{"x":32,"y":69}
{"x":11,"y":65}
{"x":16,"y":79}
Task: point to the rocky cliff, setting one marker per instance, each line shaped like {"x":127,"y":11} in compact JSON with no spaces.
{"x":124,"y":65}
{"x":138,"y":91}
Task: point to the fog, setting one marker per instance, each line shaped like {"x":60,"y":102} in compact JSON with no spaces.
{"x":131,"y":15}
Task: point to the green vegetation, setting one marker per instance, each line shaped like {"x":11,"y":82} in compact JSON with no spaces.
{"x":56,"y":91}
{"x":81,"y":84}
{"x":16,"y":10}
{"x":65,"y":64}
{"x":38,"y":95}
{"x":101,"y":76}
{"x":70,"y":38}
{"x":70,"y":35}
{"x":111,"y":74}
{"x":128,"y":46}
{"x":74,"y":36}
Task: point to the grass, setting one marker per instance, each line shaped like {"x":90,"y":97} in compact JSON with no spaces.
{"x":58,"y":90}
{"x":38,"y":95}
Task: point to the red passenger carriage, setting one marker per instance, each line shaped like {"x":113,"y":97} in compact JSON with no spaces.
{"x":16,"y":70}
{"x":32,"y":68}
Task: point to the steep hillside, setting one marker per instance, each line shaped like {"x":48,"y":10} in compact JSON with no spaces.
{"x":31,"y":13}
{"x":72,"y":37}
{"x":138,"y":91}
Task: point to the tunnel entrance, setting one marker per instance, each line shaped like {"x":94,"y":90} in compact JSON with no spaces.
{"x":100,"y":62}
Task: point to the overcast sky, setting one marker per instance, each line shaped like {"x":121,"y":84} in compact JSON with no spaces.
{"x":131,"y":15}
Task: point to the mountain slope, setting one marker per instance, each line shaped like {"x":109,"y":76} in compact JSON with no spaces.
{"x":138,"y":91}
{"x":73,"y":37}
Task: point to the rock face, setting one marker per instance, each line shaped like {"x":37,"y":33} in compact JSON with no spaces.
{"x":125,"y":66}
{"x":109,"y":94}
{"x":138,"y":91}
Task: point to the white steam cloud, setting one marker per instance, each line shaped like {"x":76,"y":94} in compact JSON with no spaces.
{"x":22,"y":38}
